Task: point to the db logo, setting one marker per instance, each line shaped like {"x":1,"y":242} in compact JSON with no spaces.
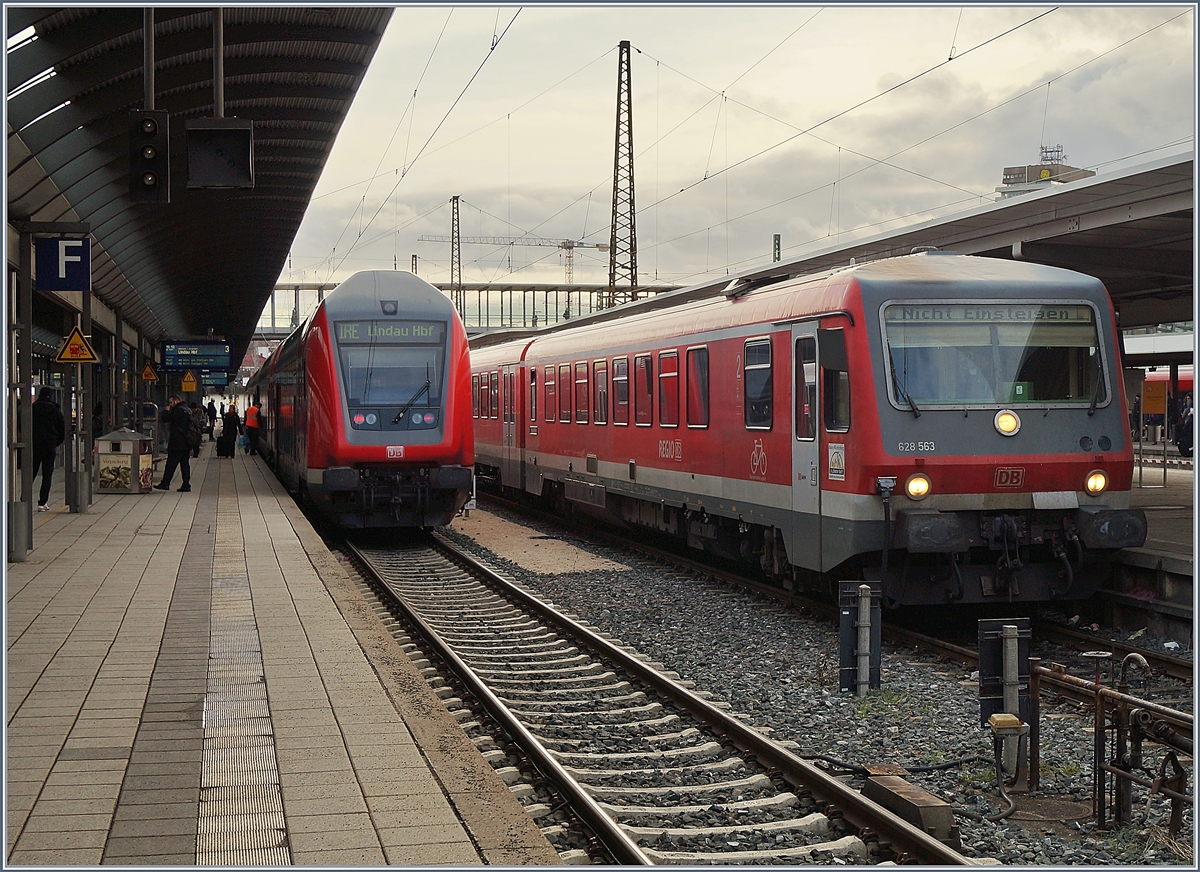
{"x":1010,"y":476}
{"x":395,"y":451}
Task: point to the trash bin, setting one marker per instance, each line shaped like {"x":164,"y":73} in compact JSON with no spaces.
{"x":124,"y":463}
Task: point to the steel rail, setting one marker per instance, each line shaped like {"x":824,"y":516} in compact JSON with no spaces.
{"x":1062,"y":684}
{"x":614,"y":839}
{"x":1173,"y":667}
{"x":907,"y":841}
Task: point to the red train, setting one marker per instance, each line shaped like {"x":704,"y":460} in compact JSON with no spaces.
{"x":952,"y":426}
{"x":366,"y":408}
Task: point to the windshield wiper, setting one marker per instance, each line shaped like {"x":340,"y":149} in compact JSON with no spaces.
{"x":1099,"y":385}
{"x":896,"y":381}
{"x":404,"y":409}
{"x":904,"y":394}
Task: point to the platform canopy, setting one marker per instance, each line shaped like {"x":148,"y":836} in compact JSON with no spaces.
{"x":208,"y":260}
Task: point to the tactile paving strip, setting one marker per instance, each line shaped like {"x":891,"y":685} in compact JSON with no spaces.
{"x":241,"y":808}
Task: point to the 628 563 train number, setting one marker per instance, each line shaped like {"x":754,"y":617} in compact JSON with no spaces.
{"x":917,"y":446}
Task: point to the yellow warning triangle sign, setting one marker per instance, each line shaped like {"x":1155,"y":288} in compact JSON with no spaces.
{"x":148,"y":373}
{"x":189,"y":382}
{"x":76,"y":349}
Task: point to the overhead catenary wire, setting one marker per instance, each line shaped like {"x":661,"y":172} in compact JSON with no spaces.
{"x":886,"y":160}
{"x":495,"y":42}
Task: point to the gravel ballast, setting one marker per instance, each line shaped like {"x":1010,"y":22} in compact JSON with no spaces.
{"x":778,"y":669}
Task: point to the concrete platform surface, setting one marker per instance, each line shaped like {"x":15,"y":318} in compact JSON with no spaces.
{"x":193,"y":679}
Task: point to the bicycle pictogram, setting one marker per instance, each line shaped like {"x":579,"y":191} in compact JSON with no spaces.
{"x":758,"y":459}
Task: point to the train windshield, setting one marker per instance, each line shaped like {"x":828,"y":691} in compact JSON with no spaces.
{"x":955,"y":354}
{"x":390,"y":363}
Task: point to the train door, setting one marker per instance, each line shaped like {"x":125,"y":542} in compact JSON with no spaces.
{"x":805,"y":545}
{"x":510,"y":458}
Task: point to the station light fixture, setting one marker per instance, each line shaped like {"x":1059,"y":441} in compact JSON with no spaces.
{"x":149,"y":156}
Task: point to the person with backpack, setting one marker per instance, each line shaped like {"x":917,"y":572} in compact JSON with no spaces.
{"x":196,"y":434}
{"x":179,"y":449}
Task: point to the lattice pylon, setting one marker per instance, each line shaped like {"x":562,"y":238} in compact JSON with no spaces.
{"x":622,"y":251}
{"x":460,"y":302}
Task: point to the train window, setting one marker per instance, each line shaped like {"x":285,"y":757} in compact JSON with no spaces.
{"x":391,"y":375}
{"x":837,"y":400}
{"x":600,"y":391}
{"x":551,"y":406}
{"x":759,"y":413}
{"x":643,"y":390}
{"x":697,"y":387}
{"x":509,"y":417}
{"x":836,"y":381}
{"x":475,"y":396}
{"x":494,"y":401}
{"x":806,"y":388}
{"x":564,"y":393}
{"x":668,"y":389}
{"x":533,"y":395}
{"x":582,"y":389}
{"x":620,"y":381}
{"x":983,"y":353}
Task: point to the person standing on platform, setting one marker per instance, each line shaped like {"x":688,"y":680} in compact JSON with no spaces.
{"x":49,"y":432}
{"x":178,"y":416}
{"x":252,"y":427}
{"x":212,"y":420}
{"x":201,"y":420}
{"x":231,"y":426}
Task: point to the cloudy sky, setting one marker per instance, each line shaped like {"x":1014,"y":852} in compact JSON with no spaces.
{"x":821,"y":124}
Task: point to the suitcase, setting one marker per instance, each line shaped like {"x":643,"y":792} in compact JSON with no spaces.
{"x":225,"y":445}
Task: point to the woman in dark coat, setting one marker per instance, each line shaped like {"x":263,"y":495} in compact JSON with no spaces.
{"x":231,"y":426}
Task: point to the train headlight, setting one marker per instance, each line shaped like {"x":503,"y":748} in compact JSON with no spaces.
{"x":917,"y":486}
{"x":1096,"y":482}
{"x":1007,"y":422}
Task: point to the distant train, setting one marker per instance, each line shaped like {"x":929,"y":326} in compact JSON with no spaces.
{"x":366,"y":408}
{"x":952,"y":426}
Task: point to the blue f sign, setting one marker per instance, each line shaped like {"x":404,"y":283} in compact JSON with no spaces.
{"x":63,"y":264}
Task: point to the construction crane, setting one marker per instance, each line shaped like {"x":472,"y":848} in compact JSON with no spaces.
{"x":567,"y":245}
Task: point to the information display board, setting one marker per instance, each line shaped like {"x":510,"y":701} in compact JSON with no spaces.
{"x":197,"y":355}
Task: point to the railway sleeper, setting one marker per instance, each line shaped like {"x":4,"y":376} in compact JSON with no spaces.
{"x":531,"y":671}
{"x":580,"y":680}
{"x":474,"y":643}
{"x":549,"y":706}
{"x":556,"y":743}
{"x":815,"y":824}
{"x":739,"y":785}
{"x":707,"y":751}
{"x":592,"y":776}
{"x":774,"y":803}
{"x":566,"y":693}
{"x":652,"y":708}
{"x":847,"y":846}
{"x":531,"y":663}
{"x":629,"y":731}
{"x":505,"y":652}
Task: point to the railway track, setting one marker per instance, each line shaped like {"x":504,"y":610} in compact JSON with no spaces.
{"x":1171,"y":676}
{"x":657,"y":774}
